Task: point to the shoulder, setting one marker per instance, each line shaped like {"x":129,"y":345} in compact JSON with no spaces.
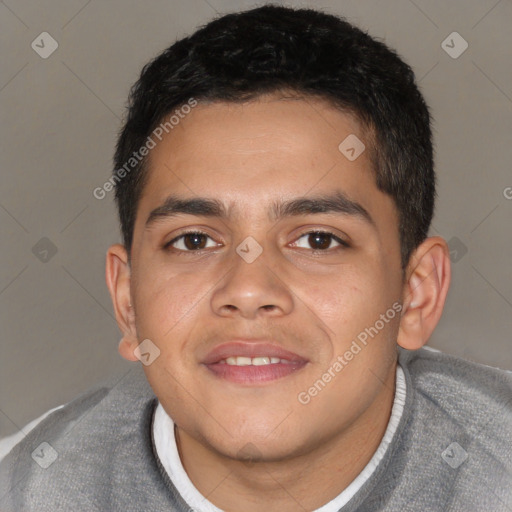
{"x":457,"y":434}
{"x":101,"y":430}
{"x":457,"y":385}
{"x":101,"y":406}
{"x":462,"y":395}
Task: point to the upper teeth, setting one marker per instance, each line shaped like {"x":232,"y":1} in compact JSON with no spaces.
{"x":255,"y":361}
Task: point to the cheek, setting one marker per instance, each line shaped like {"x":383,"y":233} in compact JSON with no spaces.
{"x":345,"y":299}
{"x":164,"y":300}
{"x":350,"y":303}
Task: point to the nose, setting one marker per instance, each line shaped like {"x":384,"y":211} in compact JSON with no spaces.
{"x":252,"y":289}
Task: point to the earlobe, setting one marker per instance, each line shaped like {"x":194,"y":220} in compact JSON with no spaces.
{"x":127,"y":347}
{"x":410,"y":332}
{"x":118,"y":278}
{"x":424,"y":293}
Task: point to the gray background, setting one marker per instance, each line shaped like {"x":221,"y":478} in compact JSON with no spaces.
{"x":60,"y":117}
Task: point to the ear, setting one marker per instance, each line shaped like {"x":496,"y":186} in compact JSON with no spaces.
{"x":427,"y":281}
{"x":118,"y":277}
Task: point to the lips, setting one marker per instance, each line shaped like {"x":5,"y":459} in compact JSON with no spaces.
{"x":250,"y":349}
{"x":252,"y":362}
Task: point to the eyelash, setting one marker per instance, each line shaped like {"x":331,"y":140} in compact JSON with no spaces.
{"x":343,"y":244}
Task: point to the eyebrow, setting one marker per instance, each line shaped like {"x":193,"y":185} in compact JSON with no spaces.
{"x":209,"y":207}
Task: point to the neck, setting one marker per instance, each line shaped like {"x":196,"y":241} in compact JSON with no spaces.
{"x":305,"y":482}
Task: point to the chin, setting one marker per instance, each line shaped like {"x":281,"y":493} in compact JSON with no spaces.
{"x":256,"y":445}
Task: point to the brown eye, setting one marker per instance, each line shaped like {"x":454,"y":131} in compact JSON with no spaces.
{"x":189,"y":242}
{"x":319,"y":241}
{"x":194,"y":241}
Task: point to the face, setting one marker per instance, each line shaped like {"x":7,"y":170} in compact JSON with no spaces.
{"x":253,"y":294}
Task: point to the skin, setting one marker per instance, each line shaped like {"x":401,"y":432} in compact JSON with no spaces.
{"x":313,"y":303}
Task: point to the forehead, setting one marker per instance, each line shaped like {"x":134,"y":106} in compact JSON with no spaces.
{"x":250,"y":154}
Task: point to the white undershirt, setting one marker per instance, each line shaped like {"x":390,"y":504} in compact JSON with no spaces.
{"x":167,"y":451}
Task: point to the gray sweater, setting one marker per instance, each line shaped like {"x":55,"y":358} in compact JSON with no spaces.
{"x":452,"y":450}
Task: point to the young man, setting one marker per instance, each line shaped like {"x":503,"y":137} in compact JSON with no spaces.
{"x":275,"y":186}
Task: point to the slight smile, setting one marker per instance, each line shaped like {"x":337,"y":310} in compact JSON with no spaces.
{"x":252,"y":363}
